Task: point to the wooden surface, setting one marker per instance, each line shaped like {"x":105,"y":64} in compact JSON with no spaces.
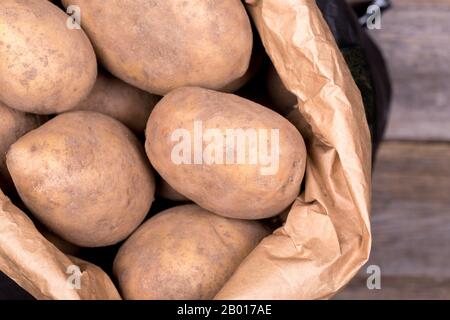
{"x":411,"y":182}
{"x":415,"y":39}
{"x":410,"y":223}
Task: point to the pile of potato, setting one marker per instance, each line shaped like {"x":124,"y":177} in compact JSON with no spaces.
{"x":72,"y":135}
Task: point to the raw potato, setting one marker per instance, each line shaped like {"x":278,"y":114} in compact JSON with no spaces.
{"x":13,"y":125}
{"x":84,"y":175}
{"x":173,"y":43}
{"x":184,"y":253}
{"x":242,"y":190}
{"x":121,"y":101}
{"x":256,"y":62}
{"x":45,"y":67}
{"x":58,"y":242}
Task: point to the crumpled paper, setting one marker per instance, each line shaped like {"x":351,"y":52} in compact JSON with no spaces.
{"x":326,"y":236}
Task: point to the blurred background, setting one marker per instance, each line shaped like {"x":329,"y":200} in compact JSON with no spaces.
{"x":411,"y":181}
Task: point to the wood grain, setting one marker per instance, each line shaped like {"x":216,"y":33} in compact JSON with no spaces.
{"x":415,"y":39}
{"x":410,"y":223}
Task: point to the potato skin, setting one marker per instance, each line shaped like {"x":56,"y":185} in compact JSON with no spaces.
{"x":84,"y":175}
{"x":119,"y":100}
{"x":173,"y":43}
{"x":45,"y":67}
{"x":13,"y":125}
{"x":184,"y":252}
{"x":58,"y":242}
{"x":165,"y":191}
{"x":232,"y":190}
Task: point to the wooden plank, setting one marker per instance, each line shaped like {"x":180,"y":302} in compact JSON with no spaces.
{"x":399,"y":288}
{"x":415,"y":39}
{"x":410,"y":223}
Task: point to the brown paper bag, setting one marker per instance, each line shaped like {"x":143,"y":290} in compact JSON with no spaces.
{"x":326,"y":237}
{"x":39,"y":267}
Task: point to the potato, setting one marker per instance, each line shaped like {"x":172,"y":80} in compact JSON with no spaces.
{"x":84,"y":175}
{"x":121,"y":101}
{"x":185,"y":252}
{"x":257,"y":60}
{"x":58,"y":242}
{"x":13,"y":125}
{"x":161,"y":45}
{"x":229,"y":155}
{"x":45,"y":66}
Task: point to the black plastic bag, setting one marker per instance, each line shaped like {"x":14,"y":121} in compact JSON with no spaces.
{"x":365,"y":62}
